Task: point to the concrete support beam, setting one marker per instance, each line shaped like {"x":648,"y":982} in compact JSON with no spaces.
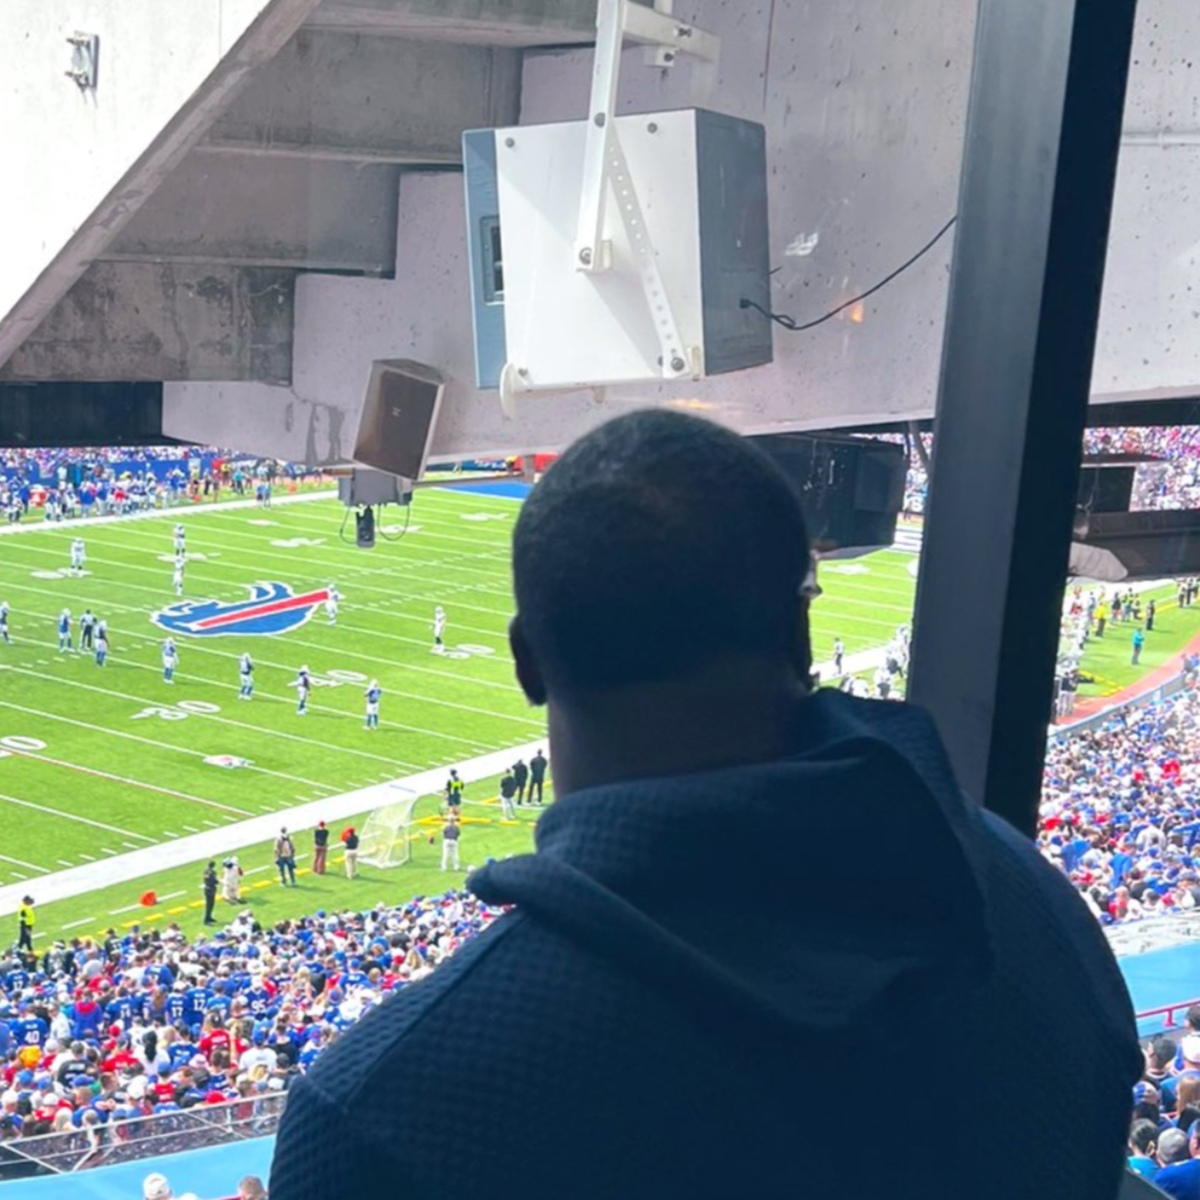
{"x":166,"y":70}
{"x":516,"y":23}
{"x":142,"y":321}
{"x":268,"y":212}
{"x":360,"y":98}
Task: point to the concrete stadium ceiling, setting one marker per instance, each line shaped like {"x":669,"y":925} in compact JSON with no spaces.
{"x":296,"y":214}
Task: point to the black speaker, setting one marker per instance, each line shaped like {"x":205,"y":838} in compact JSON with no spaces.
{"x":851,"y":489}
{"x":1106,"y":487}
{"x":398,"y":417}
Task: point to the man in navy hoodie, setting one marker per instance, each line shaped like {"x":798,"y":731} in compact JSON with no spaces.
{"x":666,"y":1012}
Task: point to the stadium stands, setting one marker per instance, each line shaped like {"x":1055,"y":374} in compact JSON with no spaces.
{"x":1120,"y":809}
{"x":148,"y":1043}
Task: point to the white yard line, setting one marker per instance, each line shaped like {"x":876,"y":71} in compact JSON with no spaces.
{"x":61,"y":885}
{"x":66,"y":816}
{"x":258,"y":730}
{"x":20,"y":863}
{"x":193,"y":648}
{"x":135,"y":783}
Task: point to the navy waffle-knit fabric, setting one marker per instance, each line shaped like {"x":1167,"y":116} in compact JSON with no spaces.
{"x":825,"y":976}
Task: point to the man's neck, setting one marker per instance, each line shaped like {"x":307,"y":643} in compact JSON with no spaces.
{"x":664,"y":729}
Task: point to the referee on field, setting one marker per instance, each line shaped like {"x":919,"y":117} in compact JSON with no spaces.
{"x":25,"y":920}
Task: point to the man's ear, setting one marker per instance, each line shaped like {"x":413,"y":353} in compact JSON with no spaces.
{"x":801,"y":651}
{"x":529,"y":675}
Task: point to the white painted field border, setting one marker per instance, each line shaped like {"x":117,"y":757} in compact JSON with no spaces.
{"x":174,"y":513}
{"x":77,"y":881}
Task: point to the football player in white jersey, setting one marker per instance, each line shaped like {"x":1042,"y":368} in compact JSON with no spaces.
{"x":78,"y":556}
{"x":439,"y":630}
{"x":332,"y":598}
{"x":246,"y":674}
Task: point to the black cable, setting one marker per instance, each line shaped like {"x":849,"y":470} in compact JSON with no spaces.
{"x":400,"y":535}
{"x":789,"y":323}
{"x":342,"y":531}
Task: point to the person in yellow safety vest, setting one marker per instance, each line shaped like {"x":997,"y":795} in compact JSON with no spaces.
{"x":454,"y":792}
{"x":25,"y":920}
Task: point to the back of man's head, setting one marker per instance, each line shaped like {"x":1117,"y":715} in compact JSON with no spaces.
{"x":1143,"y":1137}
{"x":1173,"y":1147}
{"x":658,"y":543}
{"x":1164,"y":1051}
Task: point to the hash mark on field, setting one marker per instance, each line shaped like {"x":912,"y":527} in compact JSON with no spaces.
{"x":191,"y":829}
{"x":62,"y":862}
{"x":169,"y":833}
{"x":116,"y":912}
{"x":86,"y":858}
{"x":76,"y":924}
{"x":212,"y":824}
{"x":130,"y":845}
{"x":106,"y":850}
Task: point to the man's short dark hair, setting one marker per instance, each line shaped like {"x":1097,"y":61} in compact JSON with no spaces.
{"x":1193,"y":1017}
{"x":1143,"y":1135}
{"x":1164,"y":1050}
{"x":656,"y":542}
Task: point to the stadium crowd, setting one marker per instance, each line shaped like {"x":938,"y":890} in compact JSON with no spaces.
{"x":97,"y":1035}
{"x":1120,"y":811}
{"x":1164,"y":1136}
{"x":1173,"y":482}
{"x":66,"y":484}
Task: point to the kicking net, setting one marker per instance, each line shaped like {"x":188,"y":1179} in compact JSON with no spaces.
{"x":385,"y":840}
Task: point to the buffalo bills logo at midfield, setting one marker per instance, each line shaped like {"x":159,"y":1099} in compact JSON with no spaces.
{"x":272,"y":608}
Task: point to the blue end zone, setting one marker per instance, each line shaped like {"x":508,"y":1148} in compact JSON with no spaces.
{"x":1160,"y":978}
{"x":507,"y":489}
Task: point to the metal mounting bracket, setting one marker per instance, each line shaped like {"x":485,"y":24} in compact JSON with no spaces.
{"x":605,"y":168}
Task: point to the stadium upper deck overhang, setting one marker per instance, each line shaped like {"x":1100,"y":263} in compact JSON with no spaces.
{"x":284,"y":209}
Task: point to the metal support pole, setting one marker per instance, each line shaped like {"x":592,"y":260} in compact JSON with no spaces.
{"x":1043,"y":131}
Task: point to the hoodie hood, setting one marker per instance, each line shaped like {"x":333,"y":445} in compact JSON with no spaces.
{"x":842,"y":884}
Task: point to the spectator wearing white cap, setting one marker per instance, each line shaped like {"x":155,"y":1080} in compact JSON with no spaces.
{"x":156,"y":1187}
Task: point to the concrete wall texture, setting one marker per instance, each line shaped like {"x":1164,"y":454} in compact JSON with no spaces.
{"x":79,"y":150}
{"x":865,"y":121}
{"x":865,"y":108}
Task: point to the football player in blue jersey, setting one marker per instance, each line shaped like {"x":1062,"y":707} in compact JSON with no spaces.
{"x":170,"y":660}
{"x":303,"y":686}
{"x":373,"y":692}
{"x":4,"y":622}
{"x":65,"y":641}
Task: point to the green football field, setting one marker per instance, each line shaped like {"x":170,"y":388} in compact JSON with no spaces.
{"x":107,"y":765}
{"x":101,"y":762}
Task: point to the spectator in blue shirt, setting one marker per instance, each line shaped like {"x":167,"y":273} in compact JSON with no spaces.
{"x":1180,"y":1172}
